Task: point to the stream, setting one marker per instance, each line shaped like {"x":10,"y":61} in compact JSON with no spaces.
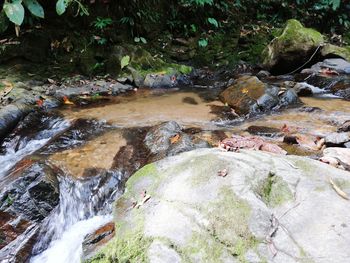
{"x":80,"y":145}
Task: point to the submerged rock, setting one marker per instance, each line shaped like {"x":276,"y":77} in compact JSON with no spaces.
{"x":292,"y":48}
{"x":168,"y":139}
{"x":345,"y":127}
{"x":258,"y":210}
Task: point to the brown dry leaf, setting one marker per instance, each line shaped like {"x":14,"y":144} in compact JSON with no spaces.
{"x":175,"y":139}
{"x":67,"y":101}
{"x":145,"y":198}
{"x":222,"y":173}
{"x":338,"y":190}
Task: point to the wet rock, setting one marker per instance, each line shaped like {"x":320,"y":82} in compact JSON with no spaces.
{"x":338,"y":157}
{"x":159,"y":81}
{"x":263,"y":74}
{"x":11,"y":227}
{"x":30,"y":192}
{"x":92,"y":89}
{"x":250,"y":95}
{"x":292,"y":48}
{"x":10,"y":115}
{"x":339,"y":65}
{"x":242,"y":95}
{"x":193,"y":212}
{"x":168,"y":139}
{"x":92,"y":242}
{"x":20,"y":249}
{"x":80,"y":131}
{"x":27,"y":196}
{"x":289,"y":97}
{"x":302,"y":89}
{"x":264,"y":131}
{"x":345,"y":127}
{"x":337,"y":139}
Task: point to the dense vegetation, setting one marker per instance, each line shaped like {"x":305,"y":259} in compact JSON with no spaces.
{"x":249,"y":24}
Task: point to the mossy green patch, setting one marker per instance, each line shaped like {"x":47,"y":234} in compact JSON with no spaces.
{"x":149,"y":170}
{"x":205,"y":168}
{"x":329,"y":50}
{"x":130,"y":248}
{"x":295,"y":32}
{"x":229,"y":216}
{"x":274,"y":190}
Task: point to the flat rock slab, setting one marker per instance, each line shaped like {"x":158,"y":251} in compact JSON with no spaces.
{"x":264,"y":208}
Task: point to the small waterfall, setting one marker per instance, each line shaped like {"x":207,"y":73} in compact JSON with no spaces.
{"x":17,"y":146}
{"x":84,"y":206}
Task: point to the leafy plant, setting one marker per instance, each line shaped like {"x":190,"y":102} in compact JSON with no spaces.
{"x":203,"y":42}
{"x":140,"y":39}
{"x":124,"y":61}
{"x":101,"y":23}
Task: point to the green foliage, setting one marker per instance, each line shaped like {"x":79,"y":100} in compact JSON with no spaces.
{"x":61,"y":6}
{"x":124,"y":61}
{"x":14,"y":11}
{"x":34,"y":7}
{"x":101,"y":23}
{"x":140,"y":39}
{"x":203,"y":42}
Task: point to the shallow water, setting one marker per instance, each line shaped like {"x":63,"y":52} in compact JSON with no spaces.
{"x":86,"y":204}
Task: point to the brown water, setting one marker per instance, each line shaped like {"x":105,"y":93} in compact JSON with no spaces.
{"x":95,"y":154}
{"x":146,"y":109}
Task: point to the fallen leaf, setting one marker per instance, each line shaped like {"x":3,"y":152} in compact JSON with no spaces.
{"x":245,"y":91}
{"x":222,"y":173}
{"x":67,"y":101}
{"x":338,"y":190}
{"x":40,"y":102}
{"x":175,"y":139}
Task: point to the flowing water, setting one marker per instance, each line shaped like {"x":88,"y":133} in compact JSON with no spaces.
{"x":86,"y":198}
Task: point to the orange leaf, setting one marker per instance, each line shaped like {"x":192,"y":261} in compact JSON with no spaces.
{"x":40,"y":102}
{"x":175,"y":139}
{"x":67,"y":101}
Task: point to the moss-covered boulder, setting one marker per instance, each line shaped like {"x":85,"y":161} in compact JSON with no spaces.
{"x":181,"y":209}
{"x":292,"y":48}
{"x":330,"y":50}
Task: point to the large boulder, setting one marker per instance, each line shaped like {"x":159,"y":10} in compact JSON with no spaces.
{"x":249,"y":95}
{"x":262,"y":208}
{"x":292,"y":48}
